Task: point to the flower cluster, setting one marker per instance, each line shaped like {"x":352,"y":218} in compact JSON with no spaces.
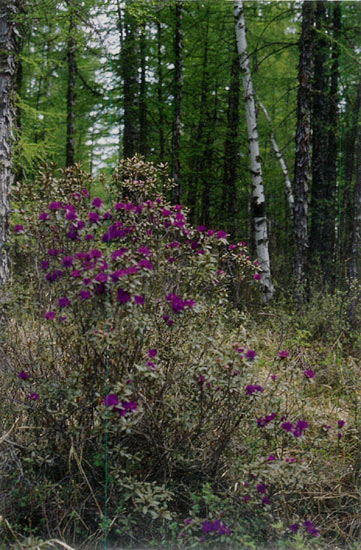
{"x":296,"y":430}
{"x":215,"y":526}
{"x":112,"y":400}
{"x":262,"y":422}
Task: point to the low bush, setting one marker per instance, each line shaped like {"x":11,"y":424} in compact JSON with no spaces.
{"x":136,"y":401}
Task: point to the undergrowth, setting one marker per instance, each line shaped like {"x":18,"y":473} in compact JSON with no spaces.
{"x":121,"y":353}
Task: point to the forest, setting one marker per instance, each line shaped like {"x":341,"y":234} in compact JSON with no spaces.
{"x":180,"y":233}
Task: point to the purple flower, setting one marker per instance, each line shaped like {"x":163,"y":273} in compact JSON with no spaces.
{"x":146,"y":264}
{"x":93,"y":217}
{"x":201,"y":228}
{"x":54,"y":275}
{"x":221,"y":234}
{"x":274,"y":377}
{"x":49,"y":315}
{"x":64,"y":301}
{"x":266,"y":500}
{"x":23,"y":375}
{"x":67,"y":261}
{"x":294,"y":527}
{"x":44,"y":264}
{"x":246,"y":498}
{"x":339,"y":435}
{"x":251,"y":388}
{"x":123,"y":296}
{"x":95,"y":253}
{"x":34,"y":396}
{"x":18,"y":228}
{"x":187,"y":521}
{"x":56,"y":205}
{"x":54,"y":252}
{"x":288,"y":426}
{"x":72,"y":235}
{"x":84,"y":294}
{"x":110,"y":400}
{"x":250,"y":354}
{"x":88,"y":237}
{"x":144,"y":250}
{"x":257,"y":276}
{"x":283,"y":354}
{"x":300,"y":428}
{"x":271,"y":458}
{"x":85,"y":193}
{"x":152,"y":352}
{"x":139,"y":299}
{"x":44,"y":216}
{"x":97,"y":202}
{"x":341,"y":423}
{"x":76,"y":273}
{"x":101,"y":277}
{"x":261,"y":488}
{"x":309,"y":373}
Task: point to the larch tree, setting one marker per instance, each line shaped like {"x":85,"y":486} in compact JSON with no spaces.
{"x":178,"y":89}
{"x":71,"y":94}
{"x":8,"y":61}
{"x":258,"y":195}
{"x":302,"y":171}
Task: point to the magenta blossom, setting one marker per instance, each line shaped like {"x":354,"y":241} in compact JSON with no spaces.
{"x":257,"y":276}
{"x":152,"y":352}
{"x":49,"y":315}
{"x":309,"y":373}
{"x":97,"y":202}
{"x":18,"y":228}
{"x":283,"y":354}
{"x":110,"y":400}
{"x":33,"y":396}
{"x":251,"y":388}
{"x":23,"y":375}
{"x":64,"y":301}
{"x":250,"y":354}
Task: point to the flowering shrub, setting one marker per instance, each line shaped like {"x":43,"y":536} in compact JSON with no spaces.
{"x":135,"y":337}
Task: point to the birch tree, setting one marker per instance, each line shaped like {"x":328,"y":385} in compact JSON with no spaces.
{"x":280,"y":157}
{"x":8,"y":44}
{"x":258,"y":196}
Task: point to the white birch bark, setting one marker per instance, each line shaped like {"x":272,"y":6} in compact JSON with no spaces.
{"x":7,"y":119}
{"x":258,"y":198}
{"x":281,"y":160}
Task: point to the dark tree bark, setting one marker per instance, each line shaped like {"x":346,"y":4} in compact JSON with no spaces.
{"x":130,"y":64}
{"x":71,"y":96}
{"x":143,"y":143}
{"x":160,"y":92}
{"x":329,"y":235}
{"x":178,"y":88}
{"x":8,"y":61}
{"x":195,"y":188}
{"x":303,"y":146}
{"x":349,"y":147}
{"x":231,"y":147}
{"x":318,"y":207}
{"x":355,"y":241}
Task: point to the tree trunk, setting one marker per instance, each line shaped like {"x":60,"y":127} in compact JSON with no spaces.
{"x":130,"y":65}
{"x":8,"y":49}
{"x":71,"y":96}
{"x":231,"y":148}
{"x":258,"y":198}
{"x":303,"y":147}
{"x":178,"y":47}
{"x":195,"y":187}
{"x":160,"y":92}
{"x":288,"y":185}
{"x":329,"y":234}
{"x":143,"y":145}
{"x":319,"y":207}
{"x":355,"y":242}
